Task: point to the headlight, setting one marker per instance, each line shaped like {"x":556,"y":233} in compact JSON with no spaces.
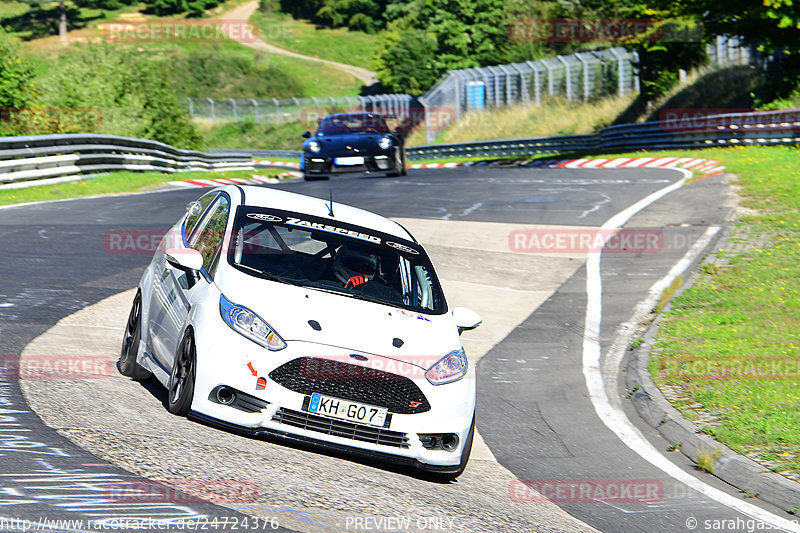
{"x":314,"y":146}
{"x":449,"y":368}
{"x":385,"y":143}
{"x":250,"y":325}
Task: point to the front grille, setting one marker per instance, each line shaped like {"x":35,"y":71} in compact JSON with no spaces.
{"x":307,"y":375}
{"x":340,"y":428}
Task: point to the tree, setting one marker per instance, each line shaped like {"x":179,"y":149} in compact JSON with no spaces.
{"x":134,"y":95}
{"x":41,"y":11}
{"x":772,"y":26}
{"x":667,"y":43}
{"x":17,"y":88}
{"x":443,"y":35}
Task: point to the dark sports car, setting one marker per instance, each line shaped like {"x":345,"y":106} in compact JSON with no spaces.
{"x":352,"y":143}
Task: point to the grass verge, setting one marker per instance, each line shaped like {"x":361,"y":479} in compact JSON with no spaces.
{"x":115,"y":183}
{"x":340,"y":45}
{"x":729,"y":348}
{"x":555,"y":117}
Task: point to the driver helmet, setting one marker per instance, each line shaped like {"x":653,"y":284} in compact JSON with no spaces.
{"x":354,"y":267}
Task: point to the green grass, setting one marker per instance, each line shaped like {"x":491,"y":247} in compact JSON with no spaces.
{"x":731,"y":342}
{"x":340,"y":45}
{"x":554,"y":117}
{"x":115,"y":183}
{"x":12,"y":9}
{"x":249,"y":135}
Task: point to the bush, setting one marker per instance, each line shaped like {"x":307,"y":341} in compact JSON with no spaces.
{"x":224,"y":73}
{"x":134,"y":94}
{"x":16,"y":76}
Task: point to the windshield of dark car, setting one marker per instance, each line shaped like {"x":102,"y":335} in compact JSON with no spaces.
{"x":344,"y":259}
{"x":353,"y":123}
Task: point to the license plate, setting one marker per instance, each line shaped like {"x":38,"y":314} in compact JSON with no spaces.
{"x":348,"y":161}
{"x":347,"y":410}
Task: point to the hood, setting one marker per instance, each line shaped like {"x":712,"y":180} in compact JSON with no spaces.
{"x":344,"y":322}
{"x":350,"y":143}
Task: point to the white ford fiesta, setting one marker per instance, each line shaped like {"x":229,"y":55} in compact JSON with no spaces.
{"x":273,"y":313}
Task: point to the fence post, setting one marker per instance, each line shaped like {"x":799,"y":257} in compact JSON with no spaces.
{"x":191,"y":107}
{"x":537,"y":81}
{"x":235,"y":115}
{"x":620,"y":72}
{"x":585,"y":66}
{"x":278,"y":117}
{"x":297,"y":102}
{"x":508,"y":84}
{"x":255,"y":110}
{"x":213,"y":116}
{"x":568,"y":77}
{"x":523,"y":86}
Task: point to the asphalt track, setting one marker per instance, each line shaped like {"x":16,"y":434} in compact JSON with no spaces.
{"x":534,"y":408}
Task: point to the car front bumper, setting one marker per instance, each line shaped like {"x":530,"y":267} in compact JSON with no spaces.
{"x":225,"y":358}
{"x":327,"y":165}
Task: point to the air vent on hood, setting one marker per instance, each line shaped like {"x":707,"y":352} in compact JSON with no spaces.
{"x":397,"y":342}
{"x":315,"y":325}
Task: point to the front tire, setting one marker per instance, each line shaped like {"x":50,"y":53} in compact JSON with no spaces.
{"x":180,"y":388}
{"x":127,"y":364}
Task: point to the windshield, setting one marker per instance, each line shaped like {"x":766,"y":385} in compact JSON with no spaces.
{"x":353,"y":123}
{"x":331,"y":256}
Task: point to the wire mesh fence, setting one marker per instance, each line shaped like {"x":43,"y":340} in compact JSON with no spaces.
{"x":306,"y":110}
{"x":581,"y":76}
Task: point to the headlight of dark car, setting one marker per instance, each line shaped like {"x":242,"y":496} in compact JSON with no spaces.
{"x":386,"y":142}
{"x":314,"y":146}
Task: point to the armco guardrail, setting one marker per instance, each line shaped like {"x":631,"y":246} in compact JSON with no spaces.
{"x":780,"y":127}
{"x":56,"y":156}
{"x":696,"y":131}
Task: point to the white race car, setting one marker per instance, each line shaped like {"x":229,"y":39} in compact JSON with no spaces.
{"x":268,"y":312}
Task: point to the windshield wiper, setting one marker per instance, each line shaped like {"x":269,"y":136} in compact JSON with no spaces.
{"x":353,"y":295}
{"x":268,"y":275}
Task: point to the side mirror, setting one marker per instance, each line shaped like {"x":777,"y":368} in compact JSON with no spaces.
{"x":187,"y":259}
{"x":306,"y":135}
{"x":466,"y":319}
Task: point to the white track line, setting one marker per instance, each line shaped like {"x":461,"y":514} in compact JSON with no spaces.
{"x":615,"y":419}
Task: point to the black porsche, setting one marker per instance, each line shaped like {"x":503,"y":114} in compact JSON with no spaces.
{"x":352,"y":143}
